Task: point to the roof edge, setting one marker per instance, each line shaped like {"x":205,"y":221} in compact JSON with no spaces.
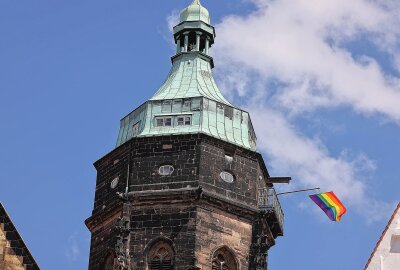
{"x":382,"y":236}
{"x":28,"y":252}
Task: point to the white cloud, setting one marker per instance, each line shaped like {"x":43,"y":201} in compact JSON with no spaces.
{"x":291,"y":57}
{"x":173,"y":19}
{"x":311,"y":165}
{"x":303,"y":44}
{"x":72,"y":251}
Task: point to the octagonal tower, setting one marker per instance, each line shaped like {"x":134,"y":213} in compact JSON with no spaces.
{"x":185,"y":187}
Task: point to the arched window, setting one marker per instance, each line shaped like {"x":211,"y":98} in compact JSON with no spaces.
{"x":224,"y":259}
{"x":161,"y":256}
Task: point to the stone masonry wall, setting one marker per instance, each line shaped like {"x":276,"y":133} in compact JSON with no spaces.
{"x":215,"y":229}
{"x":198,"y":161}
{"x":8,"y":259}
{"x":103,"y":242}
{"x":244,"y":167}
{"x":175,"y":222}
{"x":112,"y":166}
{"x":148,"y":154}
{"x":14,"y":255}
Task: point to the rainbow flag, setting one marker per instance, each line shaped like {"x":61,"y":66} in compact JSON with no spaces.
{"x":330,"y":204}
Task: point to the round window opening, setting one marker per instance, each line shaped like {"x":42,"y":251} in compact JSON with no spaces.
{"x":227,"y":177}
{"x":166,"y":170}
{"x":114,"y":182}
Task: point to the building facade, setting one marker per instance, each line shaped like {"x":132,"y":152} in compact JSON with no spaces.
{"x":185,"y":187}
{"x":386,"y":254}
{"x":14,"y":254}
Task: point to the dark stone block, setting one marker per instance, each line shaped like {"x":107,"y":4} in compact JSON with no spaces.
{"x":175,"y":207}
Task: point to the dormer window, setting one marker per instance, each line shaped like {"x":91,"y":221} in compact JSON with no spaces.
{"x":186,"y":105}
{"x":135,"y":129}
{"x":184,"y":120}
{"x":164,"y":121}
{"x":170,"y":121}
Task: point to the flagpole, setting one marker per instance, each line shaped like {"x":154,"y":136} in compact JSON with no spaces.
{"x":297,"y":191}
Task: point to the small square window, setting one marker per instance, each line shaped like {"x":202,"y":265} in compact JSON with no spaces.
{"x":188,"y":121}
{"x":160,"y":122}
{"x":184,"y":120}
{"x":168,"y":121}
{"x":181,"y":121}
{"x":395,"y":244}
{"x":135,"y":129}
{"x":186,"y":105}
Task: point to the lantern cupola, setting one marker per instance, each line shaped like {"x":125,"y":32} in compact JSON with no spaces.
{"x":189,"y":101}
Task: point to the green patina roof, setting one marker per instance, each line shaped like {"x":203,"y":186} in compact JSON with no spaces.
{"x":195,"y":12}
{"x":190,"y":91}
{"x":190,"y":76}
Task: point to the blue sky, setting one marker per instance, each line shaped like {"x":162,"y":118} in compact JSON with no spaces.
{"x":321,"y":81}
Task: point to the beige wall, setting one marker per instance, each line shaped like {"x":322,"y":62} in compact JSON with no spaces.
{"x":387,"y":255}
{"x":8,"y":261}
{"x":216,"y":229}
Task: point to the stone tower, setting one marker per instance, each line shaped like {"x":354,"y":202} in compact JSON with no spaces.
{"x":185,"y":187}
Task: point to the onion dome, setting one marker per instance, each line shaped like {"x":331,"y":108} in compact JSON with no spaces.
{"x":195,"y":12}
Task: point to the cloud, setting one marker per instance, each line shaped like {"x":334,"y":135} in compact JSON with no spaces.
{"x":173,"y":19}
{"x":311,"y":165}
{"x":289,"y":58}
{"x":72,"y":251}
{"x":304,"y":45}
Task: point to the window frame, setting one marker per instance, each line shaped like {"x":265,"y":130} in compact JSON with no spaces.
{"x":171,"y":121}
{"x":186,"y":120}
{"x":164,"y":121}
{"x":161,"y":170}
{"x":161,"y":255}
{"x":223,"y":175}
{"x":135,"y":129}
{"x":224,"y":259}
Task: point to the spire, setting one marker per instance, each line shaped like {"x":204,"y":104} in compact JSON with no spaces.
{"x":194,"y":38}
{"x":189,"y":101}
{"x":195,"y":12}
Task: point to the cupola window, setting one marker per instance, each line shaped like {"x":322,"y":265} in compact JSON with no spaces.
{"x":186,"y":105}
{"x":192,"y":41}
{"x":164,"y":121}
{"x":135,"y":129}
{"x":185,"y":120}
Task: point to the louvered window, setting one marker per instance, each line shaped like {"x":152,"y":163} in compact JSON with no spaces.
{"x":161,"y":265}
{"x":161,"y":256}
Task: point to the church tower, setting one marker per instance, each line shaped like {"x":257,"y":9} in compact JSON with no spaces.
{"x":185,"y":187}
